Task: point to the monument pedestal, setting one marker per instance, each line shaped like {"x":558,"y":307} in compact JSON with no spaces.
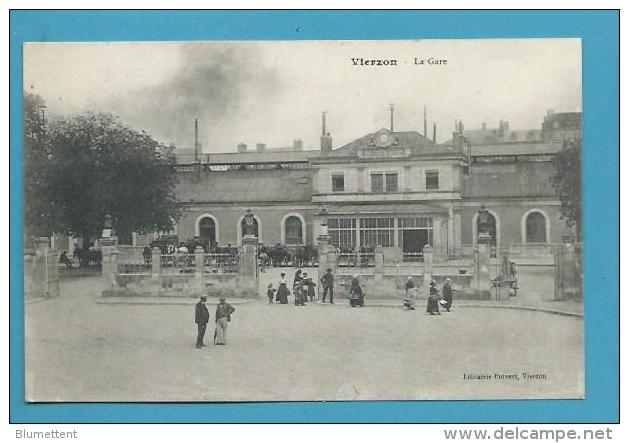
{"x":482,"y":279}
{"x":108,"y":262}
{"x":249,"y":261}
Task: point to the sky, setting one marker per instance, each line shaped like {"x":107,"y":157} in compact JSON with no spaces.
{"x":274,"y":92}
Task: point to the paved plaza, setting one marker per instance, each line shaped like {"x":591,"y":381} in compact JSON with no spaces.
{"x":81,"y":350}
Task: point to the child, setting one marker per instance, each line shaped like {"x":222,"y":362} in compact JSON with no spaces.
{"x":270,"y":292}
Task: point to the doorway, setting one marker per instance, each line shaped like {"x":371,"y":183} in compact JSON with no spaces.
{"x":414,"y":240}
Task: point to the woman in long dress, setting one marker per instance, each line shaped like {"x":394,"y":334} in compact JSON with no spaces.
{"x":433,"y":300}
{"x":282,"y":290}
{"x":356,"y":297}
{"x":410,"y":294}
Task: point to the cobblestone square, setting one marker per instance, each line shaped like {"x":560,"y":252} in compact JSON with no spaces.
{"x":81,"y":350}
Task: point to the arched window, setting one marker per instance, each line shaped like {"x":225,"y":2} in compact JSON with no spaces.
{"x":207,"y":230}
{"x":536,"y":228}
{"x":243,"y":229}
{"x":491,"y":227}
{"x":293,"y":230}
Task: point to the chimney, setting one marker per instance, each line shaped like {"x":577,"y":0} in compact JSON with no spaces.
{"x":326,"y":144}
{"x":458,"y":139}
{"x":326,"y":139}
{"x":260,"y":147}
{"x":391,"y":107}
{"x":242,"y":147}
{"x":484,"y":126}
{"x":425,"y":125}
{"x":434,"y":132}
{"x":503,"y":126}
{"x":196,"y":140}
{"x":298,"y":145}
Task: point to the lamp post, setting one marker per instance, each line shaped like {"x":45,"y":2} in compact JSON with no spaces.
{"x":482,"y":251}
{"x":249,"y":218}
{"x":327,"y":258}
{"x":107,"y":226}
{"x":483,"y":221}
{"x":249,"y":254}
{"x":323,"y":220}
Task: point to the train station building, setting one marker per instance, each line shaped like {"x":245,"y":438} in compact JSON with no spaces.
{"x":390,"y":188}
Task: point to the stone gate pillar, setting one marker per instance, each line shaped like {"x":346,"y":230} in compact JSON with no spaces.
{"x":427,"y":263}
{"x":379,"y":262}
{"x":482,"y":279}
{"x":155,"y":286}
{"x":108,"y":262}
{"x":249,"y":260}
{"x":45,"y":270}
{"x":198,"y":285}
{"x":327,"y":252}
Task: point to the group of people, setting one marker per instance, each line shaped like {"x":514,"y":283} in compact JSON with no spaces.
{"x":222,"y":317}
{"x":303,"y":289}
{"x":435,"y":299}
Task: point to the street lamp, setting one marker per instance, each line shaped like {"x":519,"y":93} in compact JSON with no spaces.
{"x":249,"y":222}
{"x":483,"y":220}
{"x":323,"y":217}
{"x":107,"y":226}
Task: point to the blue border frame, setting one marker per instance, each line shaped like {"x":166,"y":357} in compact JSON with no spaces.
{"x":600,"y":33}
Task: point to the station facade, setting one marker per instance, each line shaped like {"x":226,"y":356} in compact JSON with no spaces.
{"x":389,"y":188}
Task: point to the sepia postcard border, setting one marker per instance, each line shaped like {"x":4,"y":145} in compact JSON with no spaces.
{"x":599,"y":31}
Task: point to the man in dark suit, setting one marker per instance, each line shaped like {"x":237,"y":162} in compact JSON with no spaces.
{"x":201,"y":318}
{"x":327,"y":282}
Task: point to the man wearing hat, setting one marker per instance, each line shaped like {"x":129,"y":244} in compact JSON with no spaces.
{"x":223,"y":315}
{"x":201,"y":317}
{"x":327,"y":281}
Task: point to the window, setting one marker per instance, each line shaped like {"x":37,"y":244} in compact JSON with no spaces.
{"x":535,"y":228}
{"x":384,"y":182}
{"x":376,"y":183}
{"x":293,"y":231}
{"x":342,"y":232}
{"x":338,"y":183}
{"x":414,"y":233}
{"x":377,"y":231}
{"x":207,"y":230}
{"x":432,"y":180}
{"x":391,"y":181}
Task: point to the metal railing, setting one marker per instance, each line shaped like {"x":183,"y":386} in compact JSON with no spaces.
{"x":130,"y":253}
{"x":176,"y":263}
{"x":137,"y":267}
{"x":356,"y":259}
{"x":412,"y":257}
{"x":221,"y":263}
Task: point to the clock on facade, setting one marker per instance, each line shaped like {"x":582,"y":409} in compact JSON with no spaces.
{"x":383,"y":139}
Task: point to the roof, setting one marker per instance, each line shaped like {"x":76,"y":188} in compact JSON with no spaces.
{"x":282,"y":185}
{"x":494,"y":136}
{"x":514,"y":180}
{"x":565,"y":119}
{"x":403,"y":139}
{"x":281,"y":155}
{"x":516,"y":149}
